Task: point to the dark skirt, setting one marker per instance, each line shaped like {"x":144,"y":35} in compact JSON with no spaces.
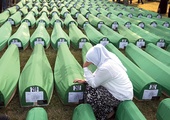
{"x":101,"y":100}
{"x":162,"y":8}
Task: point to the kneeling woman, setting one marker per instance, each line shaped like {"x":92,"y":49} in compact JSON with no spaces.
{"x":108,"y":85}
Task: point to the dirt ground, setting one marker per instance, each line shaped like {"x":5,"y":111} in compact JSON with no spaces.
{"x":56,"y":110}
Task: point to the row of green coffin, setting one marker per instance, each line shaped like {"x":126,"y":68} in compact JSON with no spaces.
{"x":65,"y":72}
{"x":127,"y":110}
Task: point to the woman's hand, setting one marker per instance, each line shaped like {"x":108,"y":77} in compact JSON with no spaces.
{"x":79,"y":81}
{"x":86,"y":64}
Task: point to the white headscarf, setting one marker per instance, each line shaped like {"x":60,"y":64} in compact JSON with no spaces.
{"x":99,"y":54}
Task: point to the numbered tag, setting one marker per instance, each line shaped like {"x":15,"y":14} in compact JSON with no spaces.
{"x":159,"y":16}
{"x":83,"y":41}
{"x":104,"y":41}
{"x":166,"y":24}
{"x":149,"y":16}
{"x":140,"y":43}
{"x":148,"y":94}
{"x":154,"y":24}
{"x":153,"y":87}
{"x":61,"y":40}
{"x":42,"y":21}
{"x":77,"y":88}
{"x":74,"y":97}
{"x":87,"y":15}
{"x":128,"y":25}
{"x":120,"y":15}
{"x":11,"y":21}
{"x":28,"y":22}
{"x":58,"y":21}
{"x":123,"y":43}
{"x":115,"y":25}
{"x":100,"y":25}
{"x":140,"y":15}
{"x":161,"y":43}
{"x":141,"y":25}
{"x":54,"y":13}
{"x":17,"y":7}
{"x":108,"y":15}
{"x":39,"y":41}
{"x":130,"y":15}
{"x":17,"y":43}
{"x":34,"y":89}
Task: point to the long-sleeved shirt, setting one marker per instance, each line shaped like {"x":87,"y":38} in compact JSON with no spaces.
{"x":111,"y":76}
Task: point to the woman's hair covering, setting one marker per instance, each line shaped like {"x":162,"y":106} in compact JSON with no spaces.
{"x":99,"y":54}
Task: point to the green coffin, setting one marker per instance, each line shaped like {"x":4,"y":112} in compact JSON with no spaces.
{"x":30,"y":19}
{"x":54,"y":11}
{"x":94,"y":35}
{"x":77,"y":37}
{"x":81,"y":20}
{"x":94,"y":12}
{"x":163,"y":110}
{"x":21,"y":37}
{"x":105,"y":12}
{"x":85,"y":49}
{"x":23,"y":11}
{"x":44,"y":10}
{"x":95,"y":21}
{"x":10,"y":71}
{"x":12,"y":10}
{"x":150,"y":65}
{"x":115,"y":38}
{"x":4,"y":16}
{"x":19,"y":5}
{"x":109,"y":22}
{"x":40,"y":36}
{"x":5,"y":33}
{"x":65,"y":71}
{"x":147,"y":36}
{"x":35,"y":11}
{"x":69,"y":20}
{"x":84,"y":12}
{"x":74,"y":12}
{"x":15,"y":19}
{"x":43,"y":19}
{"x":160,"y":33}
{"x":83,"y":112}
{"x":127,"y":110}
{"x":29,"y":6}
{"x":59,"y":36}
{"x":144,"y":86}
{"x":64,"y":12}
{"x":158,"y":53}
{"x":131,"y":36}
{"x":36,"y":80}
{"x":117,"y":13}
{"x":37,"y":113}
{"x":56,"y":19}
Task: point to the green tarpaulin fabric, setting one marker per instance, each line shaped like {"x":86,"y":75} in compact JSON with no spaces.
{"x":30,"y":19}
{"x":142,"y":83}
{"x":29,"y":6}
{"x":43,"y":19}
{"x":5,"y":33}
{"x":19,"y":5}
{"x":131,"y":36}
{"x":15,"y":19}
{"x":83,"y":112}
{"x":168,"y":48}
{"x":158,"y":53}
{"x":37,"y":113}
{"x":127,"y":110}
{"x":69,"y":20}
{"x":150,"y":65}
{"x":56,"y":19}
{"x":81,"y":20}
{"x":77,"y":37}
{"x":21,"y":37}
{"x":163,"y":110}
{"x":36,"y":79}
{"x":85,"y":49}
{"x":59,"y":36}
{"x":40,"y":36}
{"x":115,"y":38}
{"x":95,"y":36}
{"x":10,"y":71}
{"x":66,"y":70}
{"x":4,"y":16}
{"x":95,"y":21}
